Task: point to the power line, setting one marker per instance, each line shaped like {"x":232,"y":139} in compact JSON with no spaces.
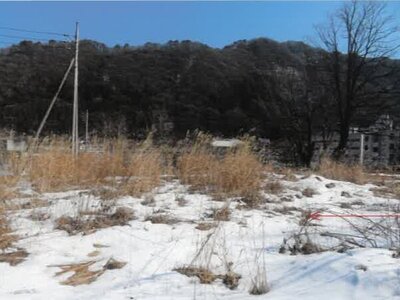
{"x":38,"y":32}
{"x":28,"y":38}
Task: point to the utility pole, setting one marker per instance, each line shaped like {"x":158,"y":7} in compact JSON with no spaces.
{"x":362,"y":149}
{"x":87,"y":130}
{"x":75,"y":118}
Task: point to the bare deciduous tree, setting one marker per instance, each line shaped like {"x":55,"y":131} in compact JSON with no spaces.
{"x":300,"y":109}
{"x":359,"y":38}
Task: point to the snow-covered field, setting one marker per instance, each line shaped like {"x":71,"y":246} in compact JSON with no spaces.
{"x":250,"y":240}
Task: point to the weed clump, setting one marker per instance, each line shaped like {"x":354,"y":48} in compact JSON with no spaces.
{"x":133,"y":168}
{"x":308,"y":192}
{"x":162,"y":219}
{"x":8,"y":253}
{"x":222,"y":214}
{"x":75,"y":225}
{"x":237,"y":173}
{"x":205,"y":276}
{"x":273,"y":187}
{"x":338,"y":171}
{"x":81,"y":274}
{"x":230,"y":279}
{"x":6,"y":236}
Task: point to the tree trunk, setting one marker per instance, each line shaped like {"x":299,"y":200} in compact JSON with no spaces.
{"x":343,"y":139}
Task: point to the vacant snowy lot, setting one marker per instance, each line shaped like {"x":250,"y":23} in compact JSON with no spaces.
{"x":174,"y":230}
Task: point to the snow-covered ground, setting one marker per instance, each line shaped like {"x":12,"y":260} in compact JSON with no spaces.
{"x":250,"y":238}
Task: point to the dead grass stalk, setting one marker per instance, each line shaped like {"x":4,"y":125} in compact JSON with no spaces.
{"x":340,"y":171}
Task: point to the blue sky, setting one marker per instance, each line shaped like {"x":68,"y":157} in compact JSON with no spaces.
{"x":214,"y":23}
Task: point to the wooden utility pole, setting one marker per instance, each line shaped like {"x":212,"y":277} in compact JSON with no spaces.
{"x":75,"y":118}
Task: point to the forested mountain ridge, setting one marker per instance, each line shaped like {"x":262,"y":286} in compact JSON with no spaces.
{"x":228,"y":91}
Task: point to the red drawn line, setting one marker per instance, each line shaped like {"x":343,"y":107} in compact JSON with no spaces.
{"x":318,"y":216}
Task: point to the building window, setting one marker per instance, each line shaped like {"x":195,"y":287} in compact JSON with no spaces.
{"x":366,"y":148}
{"x":366,"y":138}
{"x":375,"y":149}
{"x":375,"y":138}
{"x":391,"y":147}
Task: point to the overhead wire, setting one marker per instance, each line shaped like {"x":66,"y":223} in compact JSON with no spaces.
{"x":28,"y":38}
{"x":37,"y":32}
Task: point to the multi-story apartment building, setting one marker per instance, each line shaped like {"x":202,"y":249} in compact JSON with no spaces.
{"x":375,"y":146}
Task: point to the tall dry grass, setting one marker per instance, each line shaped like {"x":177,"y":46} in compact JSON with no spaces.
{"x":197,"y":165}
{"x":132,"y":168}
{"x":6,"y":236}
{"x":239,"y":173}
{"x":340,"y":171}
{"x":7,"y":187}
{"x":144,"y":171}
{"x":236,"y":173}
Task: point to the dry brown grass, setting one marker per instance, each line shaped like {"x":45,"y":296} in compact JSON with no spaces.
{"x":339,"y":171}
{"x":230,"y":279}
{"x":308,"y":192}
{"x":390,"y":190}
{"x":7,"y":187}
{"x":26,"y":203}
{"x":81,"y":273}
{"x":55,"y":170}
{"x":205,"y":226}
{"x":222,"y":214}
{"x":15,"y":257}
{"x":197,"y":165}
{"x":205,"y":276}
{"x":162,"y":219}
{"x":144,"y":171}
{"x":8,"y":252}
{"x":89,"y":224}
{"x":15,"y":162}
{"x":273,"y":187}
{"x":288,"y":174}
{"x":6,"y":236}
{"x":132,"y":168}
{"x":238,"y":173}
{"x":395,"y":189}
